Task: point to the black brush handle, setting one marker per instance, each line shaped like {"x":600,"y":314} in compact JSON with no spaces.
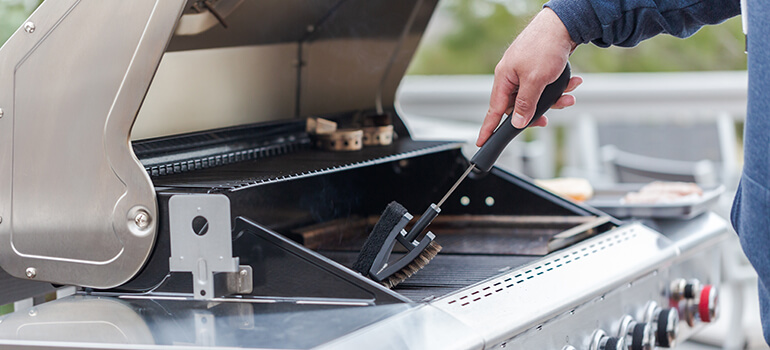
{"x":421,"y":224}
{"x":486,"y":157}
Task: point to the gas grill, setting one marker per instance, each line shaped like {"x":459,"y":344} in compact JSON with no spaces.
{"x":223,"y":224}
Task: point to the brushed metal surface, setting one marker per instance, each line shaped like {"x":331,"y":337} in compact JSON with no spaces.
{"x":207,"y":250}
{"x":206,"y":89}
{"x":403,"y":326}
{"x":424,"y":327}
{"x":86,"y":322}
{"x":71,"y":186}
{"x":512,"y":303}
{"x":283,"y":59}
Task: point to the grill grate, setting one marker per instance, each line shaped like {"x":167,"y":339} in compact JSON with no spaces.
{"x":303,"y":163}
{"x":447,"y":272}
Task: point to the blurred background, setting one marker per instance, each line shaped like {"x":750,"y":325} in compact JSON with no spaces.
{"x":667,"y":109}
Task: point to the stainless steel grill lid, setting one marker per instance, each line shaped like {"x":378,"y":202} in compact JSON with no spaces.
{"x":279,"y":60}
{"x":72,"y":89}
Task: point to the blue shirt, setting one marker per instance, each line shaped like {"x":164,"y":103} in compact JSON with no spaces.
{"x":627,"y":22}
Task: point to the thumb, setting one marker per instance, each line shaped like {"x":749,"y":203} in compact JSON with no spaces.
{"x":526,"y":103}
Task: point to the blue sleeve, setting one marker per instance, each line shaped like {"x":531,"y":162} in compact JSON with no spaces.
{"x":627,"y":22}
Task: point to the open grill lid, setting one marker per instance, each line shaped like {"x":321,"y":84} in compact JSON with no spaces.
{"x":279,"y":60}
{"x":74,"y":78}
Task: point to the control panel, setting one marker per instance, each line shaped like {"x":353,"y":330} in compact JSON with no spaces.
{"x":656,"y":311}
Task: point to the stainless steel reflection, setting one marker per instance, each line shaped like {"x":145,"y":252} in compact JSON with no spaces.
{"x":68,"y":195}
{"x":500,"y":312}
{"x":424,"y":327}
{"x":82,"y":322}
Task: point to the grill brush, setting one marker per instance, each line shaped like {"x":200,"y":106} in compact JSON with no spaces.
{"x":373,"y":259}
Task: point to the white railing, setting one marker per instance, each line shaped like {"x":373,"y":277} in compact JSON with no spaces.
{"x":466,"y":97}
{"x":452,"y":107}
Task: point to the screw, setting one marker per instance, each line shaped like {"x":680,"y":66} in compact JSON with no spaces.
{"x":1,"y":112}
{"x":142,"y":219}
{"x":29,"y":27}
{"x":31,"y":272}
{"x":1,"y":219}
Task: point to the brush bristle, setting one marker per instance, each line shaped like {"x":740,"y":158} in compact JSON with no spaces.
{"x":388,"y":220}
{"x":417,"y":264}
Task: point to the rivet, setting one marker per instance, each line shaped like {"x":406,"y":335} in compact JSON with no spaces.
{"x":142,"y":219}
{"x":29,"y":27}
{"x":1,"y":112}
{"x":31,"y":272}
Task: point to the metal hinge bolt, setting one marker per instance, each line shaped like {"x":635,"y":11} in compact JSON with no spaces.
{"x":29,"y":27}
{"x":31,"y":272}
{"x":142,"y":219}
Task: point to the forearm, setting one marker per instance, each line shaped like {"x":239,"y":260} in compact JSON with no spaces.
{"x":628,"y":22}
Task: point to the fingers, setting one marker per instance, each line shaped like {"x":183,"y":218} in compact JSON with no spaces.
{"x":499,"y":101}
{"x":542,"y":121}
{"x":568,"y":100}
{"x":526,"y":102}
{"x":564,"y":101}
{"x":574,"y":82}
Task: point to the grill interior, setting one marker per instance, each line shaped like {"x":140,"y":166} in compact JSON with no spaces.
{"x":329,"y":201}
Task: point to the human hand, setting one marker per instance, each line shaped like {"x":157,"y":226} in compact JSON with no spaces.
{"x":535,"y":59}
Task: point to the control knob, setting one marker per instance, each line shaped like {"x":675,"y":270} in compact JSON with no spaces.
{"x":601,"y":341}
{"x":682,"y":289}
{"x":707,"y":305}
{"x":666,"y":327}
{"x":637,"y":335}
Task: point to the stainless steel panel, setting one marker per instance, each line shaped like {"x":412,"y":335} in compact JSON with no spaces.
{"x":576,"y":326}
{"x":206,"y":89}
{"x":77,"y":206}
{"x":283,"y":59}
{"x":507,"y":305}
{"x":693,"y":235}
{"x":424,"y":328}
{"x":80,"y":322}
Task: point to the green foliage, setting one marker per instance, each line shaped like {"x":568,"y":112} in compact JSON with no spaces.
{"x":12,"y":15}
{"x":481,"y":30}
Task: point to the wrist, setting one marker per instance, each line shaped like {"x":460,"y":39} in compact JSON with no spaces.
{"x":560,"y":31}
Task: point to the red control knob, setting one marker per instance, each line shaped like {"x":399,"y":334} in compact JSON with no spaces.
{"x":707,"y":305}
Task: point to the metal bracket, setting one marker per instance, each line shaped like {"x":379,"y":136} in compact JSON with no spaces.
{"x":201,"y":241}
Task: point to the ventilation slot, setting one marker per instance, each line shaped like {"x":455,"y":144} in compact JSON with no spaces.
{"x":534,"y":272}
